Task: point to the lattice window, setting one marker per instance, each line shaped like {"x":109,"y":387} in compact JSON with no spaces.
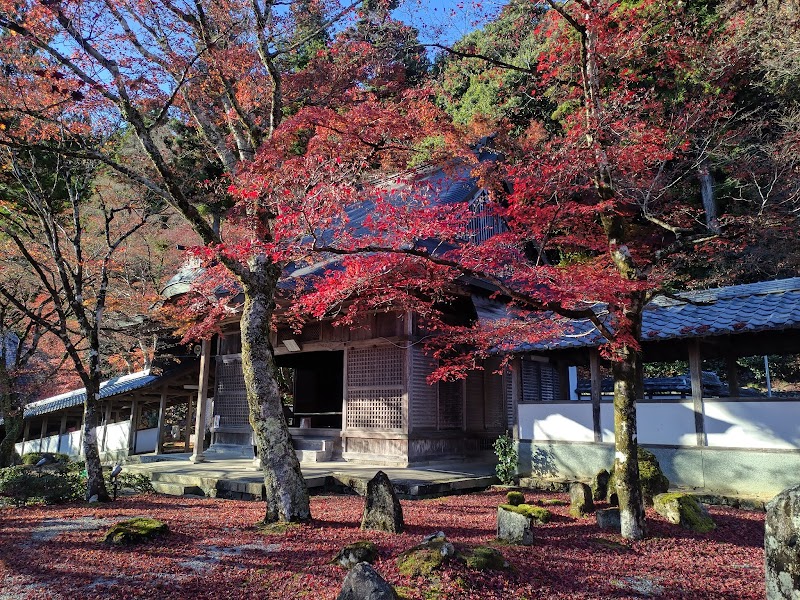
{"x":230,"y":398}
{"x":375,"y":367}
{"x":375,"y":409}
{"x":422,"y":407}
{"x":375,"y":386}
{"x":550,"y":383}
{"x":540,"y":382}
{"x":451,"y":405}
{"x":508,"y":384}
{"x":311,"y":332}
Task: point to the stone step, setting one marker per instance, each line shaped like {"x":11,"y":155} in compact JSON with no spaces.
{"x":176,"y":489}
{"x":313,"y":456}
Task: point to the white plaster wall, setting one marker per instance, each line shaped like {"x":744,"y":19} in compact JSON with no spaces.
{"x":146,"y":440}
{"x":557,"y":422}
{"x":669,"y":423}
{"x":71,"y":443}
{"x":116,"y":436}
{"x":760,"y":424}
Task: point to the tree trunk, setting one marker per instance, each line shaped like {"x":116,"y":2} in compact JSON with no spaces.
{"x":626,"y":463}
{"x":707,"y":192}
{"x":95,"y":485}
{"x":12,"y":420}
{"x":285,"y":489}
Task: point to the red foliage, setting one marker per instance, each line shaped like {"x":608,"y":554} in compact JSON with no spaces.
{"x":213,"y":550}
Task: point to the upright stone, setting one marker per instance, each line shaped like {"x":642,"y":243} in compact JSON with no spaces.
{"x":382,"y":510}
{"x":609,"y":519}
{"x":600,"y":485}
{"x":364,"y":583}
{"x":580,"y":500}
{"x":514,"y":527}
{"x":782,"y":546}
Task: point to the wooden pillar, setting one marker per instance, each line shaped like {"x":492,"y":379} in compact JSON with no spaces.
{"x":134,"y":427}
{"x":189,"y":415}
{"x":563,"y":380}
{"x":695,"y":370}
{"x":516,"y":395}
{"x":733,"y":376}
{"x":202,"y":400}
{"x":162,"y":407}
{"x":62,"y":429}
{"x":596,"y":392}
{"x":42,"y":433}
{"x":26,"y":434}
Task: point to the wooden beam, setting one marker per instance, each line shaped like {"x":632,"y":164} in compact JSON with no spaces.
{"x":695,"y":370}
{"x":596,"y":392}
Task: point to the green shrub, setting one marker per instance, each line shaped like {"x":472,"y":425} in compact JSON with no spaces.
{"x":24,"y":484}
{"x":515,"y":498}
{"x":31,"y":458}
{"x":138,"y":482}
{"x":507,"y":459}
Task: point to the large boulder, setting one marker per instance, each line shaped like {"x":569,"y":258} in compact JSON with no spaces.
{"x":364,"y":583}
{"x":580,"y":499}
{"x":600,"y":485}
{"x":782,"y":546}
{"x":382,"y":510}
{"x":684,"y":510}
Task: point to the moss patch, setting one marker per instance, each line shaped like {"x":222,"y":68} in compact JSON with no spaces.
{"x":553,"y":502}
{"x":515,"y":498}
{"x":133,"y":531}
{"x":539,"y":515}
{"x":483,"y":558}
{"x":424,"y":559}
{"x":276,"y":528}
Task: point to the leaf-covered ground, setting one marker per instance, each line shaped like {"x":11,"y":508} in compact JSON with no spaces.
{"x":213,"y":551}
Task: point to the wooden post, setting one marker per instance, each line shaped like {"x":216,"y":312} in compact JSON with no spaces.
{"x":202,"y":400}
{"x":189,"y":415}
{"x":42,"y":432}
{"x":106,"y":419}
{"x":162,"y":407}
{"x":62,"y":429}
{"x":733,"y":376}
{"x":563,"y":380}
{"x":596,"y":392}
{"x":134,"y":426}
{"x":695,"y":370}
{"x":516,"y":395}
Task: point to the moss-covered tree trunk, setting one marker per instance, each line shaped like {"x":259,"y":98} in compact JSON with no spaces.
{"x":286,"y":490}
{"x":626,"y":464}
{"x":12,"y":421}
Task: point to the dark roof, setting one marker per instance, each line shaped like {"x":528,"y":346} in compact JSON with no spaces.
{"x":735,"y":309}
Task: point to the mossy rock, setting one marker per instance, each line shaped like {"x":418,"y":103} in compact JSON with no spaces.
{"x":134,"y":531}
{"x":553,"y":502}
{"x":484,"y":558}
{"x":600,"y":485}
{"x":652,"y":480}
{"x":684,"y":510}
{"x":515,"y":498}
{"x":352,"y":554}
{"x":422,"y":560}
{"x":539,"y":515}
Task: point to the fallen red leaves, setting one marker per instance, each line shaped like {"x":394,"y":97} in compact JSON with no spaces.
{"x":214,"y":552}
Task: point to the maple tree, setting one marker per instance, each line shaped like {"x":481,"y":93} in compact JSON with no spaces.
{"x":598,"y":205}
{"x":66,"y":229}
{"x":228,"y":72}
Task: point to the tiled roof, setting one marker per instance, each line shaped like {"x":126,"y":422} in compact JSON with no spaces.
{"x":763,"y":306}
{"x":112,"y":387}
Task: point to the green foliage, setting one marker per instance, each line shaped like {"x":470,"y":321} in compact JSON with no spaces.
{"x":507,"y":459}
{"x":426,"y":150}
{"x":31,"y":458}
{"x":138,"y":482}
{"x":135,"y":530}
{"x":24,"y":484}
{"x":515,"y":498}
{"x":539,"y":515}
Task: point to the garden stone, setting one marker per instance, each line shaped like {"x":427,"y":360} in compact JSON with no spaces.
{"x":364,"y":583}
{"x":684,"y":510}
{"x":580,"y":498}
{"x":609,"y":519}
{"x":424,"y":558}
{"x":782,"y":545}
{"x":382,"y":510}
{"x":514,"y":527}
{"x":136,"y":530}
{"x":357,"y":552}
{"x":600,"y":485}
